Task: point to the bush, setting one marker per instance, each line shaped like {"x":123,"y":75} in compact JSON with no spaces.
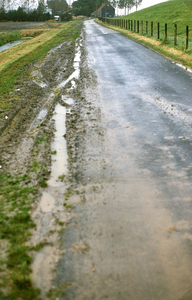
{"x":9,"y":37}
{"x":66,"y":17}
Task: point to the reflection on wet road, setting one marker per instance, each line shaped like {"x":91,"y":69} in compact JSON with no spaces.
{"x":135,"y":224}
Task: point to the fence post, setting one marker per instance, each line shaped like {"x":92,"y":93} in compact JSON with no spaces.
{"x":146,"y":27}
{"x":137,"y":26}
{"x":142,"y":27}
{"x":175,"y":37}
{"x":131,"y":25}
{"x":165,"y":32}
{"x":158,"y":31}
{"x":187,"y":37}
{"x":151,"y":28}
{"x":126,"y":24}
{"x":134,"y":26}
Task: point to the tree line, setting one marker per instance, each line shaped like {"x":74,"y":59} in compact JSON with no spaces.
{"x":86,"y":7}
{"x":79,"y":7}
{"x":127,"y":5}
{"x":26,"y":13}
{"x":20,"y":15}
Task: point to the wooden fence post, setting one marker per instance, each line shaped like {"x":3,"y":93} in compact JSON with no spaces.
{"x":134,"y":26}
{"x":126,"y":24}
{"x":187,"y":37}
{"x":146,"y":27}
{"x":151,"y":28}
{"x":142,"y":27}
{"x":137,"y":26}
{"x":158,"y":31}
{"x":175,"y":36}
{"x":165,"y":32}
{"x":129,"y":24}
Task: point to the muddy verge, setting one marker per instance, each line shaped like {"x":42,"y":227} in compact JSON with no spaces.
{"x":38,"y":92}
{"x":30,"y":145}
{"x":43,"y":136}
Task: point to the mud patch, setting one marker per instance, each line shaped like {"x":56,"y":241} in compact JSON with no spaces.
{"x":33,"y":142}
{"x":52,"y":214}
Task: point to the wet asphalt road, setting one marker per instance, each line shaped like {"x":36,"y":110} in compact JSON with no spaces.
{"x":131,"y":238}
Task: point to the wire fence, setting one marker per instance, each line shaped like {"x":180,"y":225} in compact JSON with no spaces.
{"x":168,"y":34}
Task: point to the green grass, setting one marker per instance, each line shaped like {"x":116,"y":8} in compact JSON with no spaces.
{"x":171,"y":12}
{"x":7,"y":37}
{"x":15,"y":225}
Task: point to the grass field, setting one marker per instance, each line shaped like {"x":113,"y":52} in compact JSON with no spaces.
{"x":171,"y":12}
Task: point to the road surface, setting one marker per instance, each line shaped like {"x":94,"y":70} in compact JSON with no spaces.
{"x":131,"y":235}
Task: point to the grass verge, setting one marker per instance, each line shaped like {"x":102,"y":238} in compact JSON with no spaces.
{"x":7,"y":37}
{"x":16,"y":198}
{"x":171,"y":12}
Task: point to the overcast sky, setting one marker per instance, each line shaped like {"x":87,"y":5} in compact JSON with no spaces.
{"x":147,"y":3}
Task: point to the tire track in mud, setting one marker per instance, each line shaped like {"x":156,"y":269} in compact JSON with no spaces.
{"x":46,"y":101}
{"x":32,"y":97}
{"x":50,"y":213}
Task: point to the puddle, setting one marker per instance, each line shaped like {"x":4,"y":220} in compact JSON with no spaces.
{"x":46,"y":259}
{"x":76,"y":63}
{"x":9,"y":45}
{"x":50,"y":209}
{"x":42,"y":114}
{"x":47,"y":203}
{"x":183,"y":67}
{"x":73,"y":85}
{"x":37,"y":78}
{"x":75,"y":75}
{"x":59,"y":146}
{"x":68,"y":101}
